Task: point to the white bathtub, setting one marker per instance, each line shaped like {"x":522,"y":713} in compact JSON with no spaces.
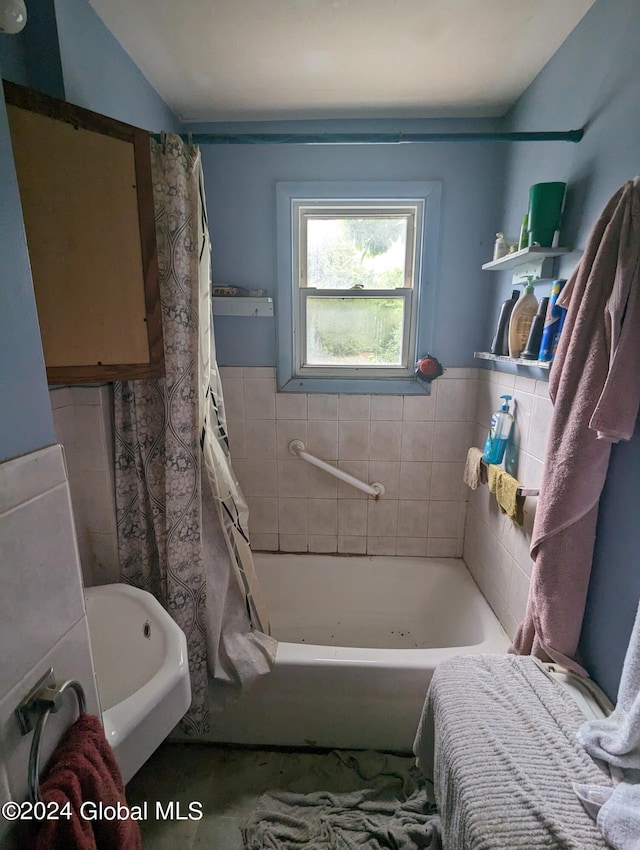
{"x":360,"y":639}
{"x":140,"y":658}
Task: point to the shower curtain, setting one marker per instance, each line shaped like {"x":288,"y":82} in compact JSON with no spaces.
{"x":181,"y":517}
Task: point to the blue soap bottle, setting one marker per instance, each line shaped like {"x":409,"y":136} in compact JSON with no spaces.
{"x":501,"y":424}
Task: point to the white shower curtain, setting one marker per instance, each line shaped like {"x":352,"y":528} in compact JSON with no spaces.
{"x":182,"y":519}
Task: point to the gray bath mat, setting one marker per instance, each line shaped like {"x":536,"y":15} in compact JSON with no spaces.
{"x":385,"y":806}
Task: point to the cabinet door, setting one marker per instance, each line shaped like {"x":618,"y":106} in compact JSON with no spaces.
{"x":87,"y":200}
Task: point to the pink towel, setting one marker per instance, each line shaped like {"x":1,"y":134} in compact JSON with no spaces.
{"x":595,"y":390}
{"x":83,"y":768}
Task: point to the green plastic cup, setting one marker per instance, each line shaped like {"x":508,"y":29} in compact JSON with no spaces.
{"x":545,"y":206}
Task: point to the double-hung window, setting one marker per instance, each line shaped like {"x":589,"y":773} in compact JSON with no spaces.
{"x":350,"y":291}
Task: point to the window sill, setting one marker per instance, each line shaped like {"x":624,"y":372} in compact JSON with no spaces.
{"x":356,"y":386}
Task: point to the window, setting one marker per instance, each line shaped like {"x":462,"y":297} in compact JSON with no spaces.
{"x":350,"y":288}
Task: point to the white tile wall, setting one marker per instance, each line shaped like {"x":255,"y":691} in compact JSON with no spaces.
{"x":495,"y":549}
{"x":82,"y":421}
{"x":37,"y":577}
{"x":42,"y":613}
{"x":70,"y":658}
{"x":414,"y":445}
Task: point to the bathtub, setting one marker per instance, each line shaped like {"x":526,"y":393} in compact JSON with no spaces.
{"x":140,"y":659}
{"x":360,"y":638}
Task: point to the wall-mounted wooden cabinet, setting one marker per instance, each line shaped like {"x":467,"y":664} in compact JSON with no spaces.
{"x":87,"y":200}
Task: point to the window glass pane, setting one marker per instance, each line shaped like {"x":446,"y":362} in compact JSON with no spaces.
{"x":367,"y":252}
{"x":354,"y":331}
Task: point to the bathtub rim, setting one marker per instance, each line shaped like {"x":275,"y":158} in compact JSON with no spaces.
{"x":312,"y":655}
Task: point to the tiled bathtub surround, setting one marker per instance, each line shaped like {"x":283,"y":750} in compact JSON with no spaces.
{"x":82,"y":421}
{"x":414,"y":445}
{"x":495,"y":550}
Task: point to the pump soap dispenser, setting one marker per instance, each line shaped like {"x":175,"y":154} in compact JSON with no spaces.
{"x":501,"y":423}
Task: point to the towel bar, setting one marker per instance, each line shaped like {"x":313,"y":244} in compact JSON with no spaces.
{"x":521,"y":491}
{"x":33,"y":712}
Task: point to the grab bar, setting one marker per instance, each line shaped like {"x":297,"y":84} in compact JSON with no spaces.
{"x":33,"y":712}
{"x":297,"y":448}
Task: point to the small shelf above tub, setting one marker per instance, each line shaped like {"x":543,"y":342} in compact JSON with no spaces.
{"x":227,"y":305}
{"x":528,"y":262}
{"x":513,"y":361}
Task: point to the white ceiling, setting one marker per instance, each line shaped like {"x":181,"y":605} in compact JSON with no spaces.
{"x":224,"y":60}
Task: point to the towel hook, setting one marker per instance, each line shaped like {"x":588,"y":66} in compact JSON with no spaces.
{"x":33,"y":712}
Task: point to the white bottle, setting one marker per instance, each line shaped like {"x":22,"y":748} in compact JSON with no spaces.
{"x":501,"y":247}
{"x":521,"y":319}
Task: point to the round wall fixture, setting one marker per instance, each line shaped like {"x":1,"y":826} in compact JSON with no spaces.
{"x":13,"y":16}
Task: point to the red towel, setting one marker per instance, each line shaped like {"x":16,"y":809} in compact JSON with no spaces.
{"x":84,"y":769}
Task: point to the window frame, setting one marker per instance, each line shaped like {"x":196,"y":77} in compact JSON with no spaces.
{"x":420,"y":198}
{"x":301,"y":212}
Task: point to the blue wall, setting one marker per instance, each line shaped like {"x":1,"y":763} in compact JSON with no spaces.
{"x":100,"y":76}
{"x":32,"y":58}
{"x":593,"y":80}
{"x":26,"y":423}
{"x":240,"y":183}
{"x":615,"y":579}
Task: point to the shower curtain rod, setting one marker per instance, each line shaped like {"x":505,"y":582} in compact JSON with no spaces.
{"x":372,"y":138}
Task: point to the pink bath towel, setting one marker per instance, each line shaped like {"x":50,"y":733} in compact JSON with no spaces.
{"x":595,"y":389}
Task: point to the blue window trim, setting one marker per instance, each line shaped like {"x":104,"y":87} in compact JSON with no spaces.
{"x":428,"y":191}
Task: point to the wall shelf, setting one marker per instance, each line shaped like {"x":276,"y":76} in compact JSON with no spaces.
{"x":513,"y":361}
{"x":529,"y":262}
{"x":227,"y":305}
{"x":522,"y":257}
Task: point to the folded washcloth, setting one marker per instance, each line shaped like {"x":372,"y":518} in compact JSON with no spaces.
{"x":492,"y":476}
{"x":505,"y":487}
{"x":475,"y":472}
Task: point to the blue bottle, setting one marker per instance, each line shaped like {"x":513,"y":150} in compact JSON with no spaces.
{"x":553,"y":323}
{"x":498,"y":436}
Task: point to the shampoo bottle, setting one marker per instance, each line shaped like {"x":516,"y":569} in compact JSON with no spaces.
{"x":523,"y":242}
{"x":501,"y":423}
{"x":552,"y":323}
{"x":500,"y":344}
{"x":521,"y":319}
{"x":535,"y":334}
